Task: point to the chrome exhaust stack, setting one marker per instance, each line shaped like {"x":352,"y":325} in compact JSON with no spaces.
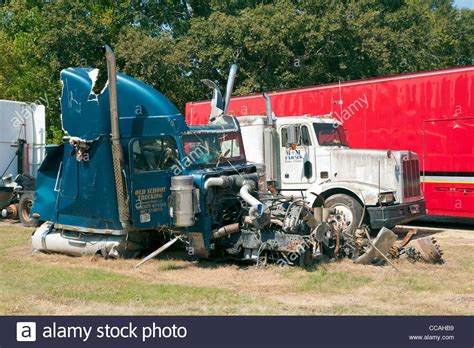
{"x":268,"y":110}
{"x":271,"y":144}
{"x":117,"y":153}
{"x":230,"y":87}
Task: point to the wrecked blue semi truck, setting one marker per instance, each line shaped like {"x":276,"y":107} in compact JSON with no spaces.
{"x":132,"y":176}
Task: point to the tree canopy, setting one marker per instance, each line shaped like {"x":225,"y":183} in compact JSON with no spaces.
{"x":172,"y":45}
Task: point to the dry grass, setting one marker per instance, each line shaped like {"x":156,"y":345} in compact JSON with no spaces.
{"x":57,"y":284}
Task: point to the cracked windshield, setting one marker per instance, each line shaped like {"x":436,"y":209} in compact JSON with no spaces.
{"x":213,"y":148}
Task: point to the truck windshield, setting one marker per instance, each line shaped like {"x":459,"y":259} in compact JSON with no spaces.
{"x":212,"y":148}
{"x":330,"y":135}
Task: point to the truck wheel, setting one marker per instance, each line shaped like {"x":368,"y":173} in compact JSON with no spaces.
{"x":24,"y":210}
{"x":349,"y":210}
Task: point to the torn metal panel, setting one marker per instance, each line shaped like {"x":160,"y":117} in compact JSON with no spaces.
{"x":380,"y":247}
{"x":86,"y":114}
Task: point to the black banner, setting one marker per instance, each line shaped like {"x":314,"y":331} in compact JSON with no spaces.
{"x":236,"y":331}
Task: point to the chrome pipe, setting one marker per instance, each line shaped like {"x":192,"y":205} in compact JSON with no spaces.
{"x":230,"y":86}
{"x":268,"y":110}
{"x":117,"y":153}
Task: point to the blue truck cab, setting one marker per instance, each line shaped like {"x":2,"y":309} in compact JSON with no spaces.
{"x":78,"y":193}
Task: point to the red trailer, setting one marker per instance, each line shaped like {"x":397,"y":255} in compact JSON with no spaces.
{"x":431,"y":113}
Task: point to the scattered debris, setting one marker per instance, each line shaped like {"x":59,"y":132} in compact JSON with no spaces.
{"x":428,"y":250}
{"x":378,"y":248}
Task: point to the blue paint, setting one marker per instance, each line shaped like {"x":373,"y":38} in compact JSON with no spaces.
{"x":82,"y":193}
{"x":86,"y":195}
{"x":142,"y":110}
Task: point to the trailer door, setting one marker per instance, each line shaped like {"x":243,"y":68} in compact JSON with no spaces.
{"x":448,"y":166}
{"x":463,"y":166}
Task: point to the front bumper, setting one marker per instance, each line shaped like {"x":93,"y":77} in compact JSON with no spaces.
{"x":391,"y":215}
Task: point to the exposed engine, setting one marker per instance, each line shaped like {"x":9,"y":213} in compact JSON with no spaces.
{"x":286,"y":231}
{"x":272,"y":228}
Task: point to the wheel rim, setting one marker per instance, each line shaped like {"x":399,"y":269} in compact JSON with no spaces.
{"x":344,"y":216}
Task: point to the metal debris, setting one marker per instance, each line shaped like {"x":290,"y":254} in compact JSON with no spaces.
{"x":380,"y":247}
{"x":397,"y":249}
{"x":157,"y":252}
{"x":410,"y":254}
{"x":428,"y":249}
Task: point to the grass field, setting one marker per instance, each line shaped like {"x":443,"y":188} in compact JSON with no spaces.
{"x":62,"y":285}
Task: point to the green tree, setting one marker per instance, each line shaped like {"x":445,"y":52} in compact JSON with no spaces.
{"x":172,"y":45}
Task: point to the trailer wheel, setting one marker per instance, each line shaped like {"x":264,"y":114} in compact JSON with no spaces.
{"x":24,"y":206}
{"x":349,"y":210}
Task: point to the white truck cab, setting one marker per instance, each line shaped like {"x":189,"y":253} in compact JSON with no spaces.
{"x":310,"y":157}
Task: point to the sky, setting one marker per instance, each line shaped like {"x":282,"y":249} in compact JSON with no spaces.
{"x":464,"y":3}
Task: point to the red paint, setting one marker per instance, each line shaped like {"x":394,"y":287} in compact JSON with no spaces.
{"x":431,"y":113}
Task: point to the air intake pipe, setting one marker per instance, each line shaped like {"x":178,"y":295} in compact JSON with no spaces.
{"x":229,"y":180}
{"x":117,"y":153}
{"x":257,"y":208}
{"x":259,"y":214}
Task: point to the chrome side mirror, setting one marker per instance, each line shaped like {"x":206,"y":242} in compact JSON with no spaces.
{"x":292,"y":132}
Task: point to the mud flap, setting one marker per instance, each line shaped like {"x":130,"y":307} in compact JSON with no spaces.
{"x":381,"y":244}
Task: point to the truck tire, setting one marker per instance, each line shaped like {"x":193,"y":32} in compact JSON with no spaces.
{"x":24,"y":209}
{"x":350,"y":210}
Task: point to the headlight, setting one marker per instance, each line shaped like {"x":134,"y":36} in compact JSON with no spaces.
{"x":386,"y":198}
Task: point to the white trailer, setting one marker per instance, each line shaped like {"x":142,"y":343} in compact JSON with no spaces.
{"x":22,"y":150}
{"x":21,"y":121}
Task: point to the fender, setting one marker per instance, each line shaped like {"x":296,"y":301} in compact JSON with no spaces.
{"x":367,"y":193}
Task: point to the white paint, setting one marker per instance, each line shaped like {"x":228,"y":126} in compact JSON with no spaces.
{"x":252,"y":129}
{"x":356,"y":170}
{"x":25,"y":121}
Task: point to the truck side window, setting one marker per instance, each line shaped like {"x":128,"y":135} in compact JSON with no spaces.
{"x":284,"y":137}
{"x":304,"y":138}
{"x":154,"y":154}
{"x":330,"y":135}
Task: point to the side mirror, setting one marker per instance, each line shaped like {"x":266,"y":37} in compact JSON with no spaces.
{"x":292,"y":132}
{"x":308,"y":170}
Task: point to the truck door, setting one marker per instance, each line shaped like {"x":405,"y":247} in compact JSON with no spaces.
{"x":298,"y":165}
{"x":151,"y":166}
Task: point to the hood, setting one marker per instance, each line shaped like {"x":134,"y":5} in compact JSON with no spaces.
{"x":363,"y":165}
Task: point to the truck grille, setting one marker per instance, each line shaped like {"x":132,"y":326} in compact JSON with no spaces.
{"x":411,"y":178}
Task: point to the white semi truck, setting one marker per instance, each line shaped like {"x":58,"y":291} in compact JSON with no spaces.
{"x":22,"y":149}
{"x":309,"y":157}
